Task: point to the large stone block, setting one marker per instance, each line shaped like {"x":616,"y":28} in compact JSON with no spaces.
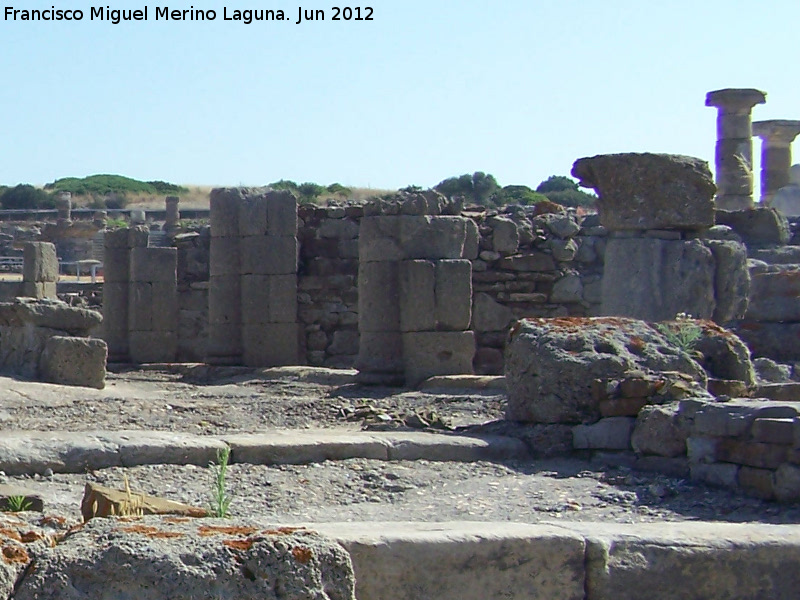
{"x":453,"y":295}
{"x":253,"y":214}
{"x":650,"y":191}
{"x":691,"y":561}
{"x":612,"y":433}
{"x":731,"y":280}
{"x":268,"y":255}
{"x":269,"y":299}
{"x":39,"y":289}
{"x":115,"y":239}
{"x":224,"y":256}
{"x":116,"y":264}
{"x":380,"y":352}
{"x":778,"y":341}
{"x":225,"y":211}
{"x":162,"y":558}
{"x":432,"y":237}
{"x":224,"y":342}
{"x":74,"y":361}
{"x":281,"y":214}
{"x":379,"y":296}
{"x":427,"y":354}
{"x":140,"y":306}
{"x":489,"y":315}
{"x":40,"y":262}
{"x":655,"y":279}
{"x":270,"y":344}
{"x":164,"y":306}
{"x":774,"y":294}
{"x":379,"y":239}
{"x":225,"y":300}
{"x":551,"y":364}
{"x":505,"y":235}
{"x":757,"y":226}
{"x":472,"y":240}
{"x":153,"y":346}
{"x":154,"y":264}
{"x":659,"y":431}
{"x":417,"y":295}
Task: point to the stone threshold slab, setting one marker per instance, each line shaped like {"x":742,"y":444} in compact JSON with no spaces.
{"x":576,"y":561}
{"x":31,"y":452}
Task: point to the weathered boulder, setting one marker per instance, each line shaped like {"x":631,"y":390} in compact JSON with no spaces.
{"x":778,"y":341}
{"x":51,"y":314}
{"x":650,"y":191}
{"x":74,"y":361}
{"x":176,"y":559}
{"x":757,"y":226}
{"x":101,"y":501}
{"x":660,"y":431}
{"x":655,"y":279}
{"x":551,"y":364}
{"x":774,"y":294}
{"x":724,"y":354}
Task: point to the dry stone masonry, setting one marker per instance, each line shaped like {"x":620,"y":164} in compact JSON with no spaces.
{"x":776,"y":154}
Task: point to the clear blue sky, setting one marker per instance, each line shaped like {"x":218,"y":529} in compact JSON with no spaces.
{"x":429,"y":89}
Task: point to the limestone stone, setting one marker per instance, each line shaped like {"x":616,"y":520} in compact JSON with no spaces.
{"x":453,"y":295}
{"x":379,"y":296}
{"x":40,"y":262}
{"x":654,"y":279}
{"x":717,"y":474}
{"x":560,"y":224}
{"x":432,"y":237}
{"x":268,"y":255}
{"x":39,"y":289}
{"x":551,"y":364}
{"x":417,"y":296}
{"x":612,"y":433}
{"x":116,"y":264}
{"x":269,"y":298}
{"x":380,"y":352}
{"x":153,"y":265}
{"x":431,"y":353}
{"x":505,"y":236}
{"x":567,"y":289}
{"x":649,"y":191}
{"x":225,"y":259}
{"x":471,"y":241}
{"x":224,"y":300}
{"x":787,"y":483}
{"x":756,"y":226}
{"x":225,"y":204}
{"x":153,"y":346}
{"x":731,"y":280}
{"x":774,"y":294}
{"x":770,"y":371}
{"x":379,"y":239}
{"x":725,"y":356}
{"x":345,"y":342}
{"x":779,"y":341}
{"x":563,"y":250}
{"x":659,"y":431}
{"x":74,"y":361}
{"x":536,"y":261}
{"x":489,"y":315}
{"x":167,"y":558}
{"x":787,"y":199}
{"x":101,"y":501}
{"x":270,"y":344}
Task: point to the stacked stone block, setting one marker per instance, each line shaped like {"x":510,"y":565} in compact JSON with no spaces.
{"x":40,"y":270}
{"x":776,"y":154}
{"x":153,"y":305}
{"x":415,"y":292}
{"x":118,"y":245}
{"x":662,"y":257}
{"x":253,"y":278}
{"x":193,"y":274}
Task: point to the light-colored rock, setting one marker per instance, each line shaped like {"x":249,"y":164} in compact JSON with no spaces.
{"x":157,"y":558}
{"x":756,"y":226}
{"x":612,"y":433}
{"x":659,"y":431}
{"x":100,"y":501}
{"x":74,"y":361}
{"x":731,"y":280}
{"x":551,"y":364}
{"x":489,"y":315}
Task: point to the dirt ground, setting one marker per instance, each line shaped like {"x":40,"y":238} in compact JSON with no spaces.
{"x":200,"y":402}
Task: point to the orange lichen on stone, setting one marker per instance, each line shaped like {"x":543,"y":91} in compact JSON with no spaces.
{"x":208,"y":530}
{"x":152,"y":532}
{"x":302,"y":555}
{"x":31,"y":536}
{"x":15,"y":554}
{"x":10,"y":533}
{"x":243,"y":545}
{"x":283,"y":530}
{"x":176,"y":520}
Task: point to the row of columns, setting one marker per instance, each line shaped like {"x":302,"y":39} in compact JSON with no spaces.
{"x":734,"y":149}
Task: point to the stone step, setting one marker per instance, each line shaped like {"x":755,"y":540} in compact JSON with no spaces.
{"x":31,"y":452}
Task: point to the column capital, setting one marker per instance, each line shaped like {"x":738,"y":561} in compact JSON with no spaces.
{"x":735,"y":99}
{"x":777,"y":130}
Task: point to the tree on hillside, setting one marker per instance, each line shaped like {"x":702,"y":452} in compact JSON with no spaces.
{"x":517,"y":194}
{"x":477,"y":188}
{"x":309,"y":191}
{"x":24,"y":196}
{"x":565,"y":191}
{"x":283,"y":184}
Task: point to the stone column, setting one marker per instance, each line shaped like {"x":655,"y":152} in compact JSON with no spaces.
{"x":40,"y":270}
{"x":224,"y":286}
{"x":153,"y":305}
{"x":173,"y":214}
{"x":99,"y":219}
{"x":776,"y":154}
{"x":268,"y":249}
{"x":64,"y":206}
{"x":116,"y":282}
{"x":734,"y":151}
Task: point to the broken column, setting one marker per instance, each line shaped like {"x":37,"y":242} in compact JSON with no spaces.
{"x":268,"y":269}
{"x":415,"y":294}
{"x":658,"y":209}
{"x":64,"y":207}
{"x":40,"y":270}
{"x":734,"y":150}
{"x":776,"y":154}
{"x":153,"y":305}
{"x":252,"y":298}
{"x":118,"y":244}
{"x":787,"y":199}
{"x":173,"y":214}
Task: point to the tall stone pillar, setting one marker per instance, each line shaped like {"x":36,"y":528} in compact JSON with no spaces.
{"x":414,"y":294}
{"x":173,"y":214}
{"x":776,"y":154}
{"x":734,"y":151}
{"x":64,"y":207}
{"x":153,"y":305}
{"x":224,"y":287}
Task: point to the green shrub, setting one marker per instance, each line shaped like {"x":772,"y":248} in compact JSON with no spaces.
{"x":517,"y":194}
{"x":310,"y":191}
{"x":101,"y":185}
{"x":478,"y":188}
{"x":284,"y":184}
{"x":337,"y":189}
{"x":24,"y":196}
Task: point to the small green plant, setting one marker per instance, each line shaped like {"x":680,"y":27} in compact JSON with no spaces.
{"x":17,"y":504}
{"x":220,"y":500}
{"x":683,"y":332}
